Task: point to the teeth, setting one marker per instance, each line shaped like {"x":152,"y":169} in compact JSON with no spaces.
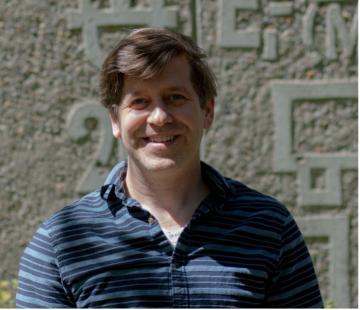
{"x":161,"y":139}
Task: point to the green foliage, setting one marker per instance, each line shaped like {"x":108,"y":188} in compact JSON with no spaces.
{"x":329,"y":303}
{"x":7,"y":293}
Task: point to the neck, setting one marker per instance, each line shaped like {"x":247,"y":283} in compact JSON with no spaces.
{"x":171,"y":196}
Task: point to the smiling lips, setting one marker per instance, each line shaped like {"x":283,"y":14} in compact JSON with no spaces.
{"x":161,"y":139}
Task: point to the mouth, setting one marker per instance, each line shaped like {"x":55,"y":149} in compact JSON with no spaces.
{"x":161,"y":139}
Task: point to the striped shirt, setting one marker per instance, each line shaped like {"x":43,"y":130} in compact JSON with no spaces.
{"x":240,"y":249}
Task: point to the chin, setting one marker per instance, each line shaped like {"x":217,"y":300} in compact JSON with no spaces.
{"x":155,"y":164}
{"x":159,"y":164}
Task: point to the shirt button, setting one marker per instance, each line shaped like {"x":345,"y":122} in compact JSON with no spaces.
{"x":177,"y":264}
{"x":151,"y":220}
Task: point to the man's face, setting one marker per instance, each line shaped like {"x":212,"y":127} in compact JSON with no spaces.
{"x":160,"y":120}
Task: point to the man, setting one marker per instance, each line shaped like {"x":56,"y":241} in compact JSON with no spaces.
{"x":166,"y":230}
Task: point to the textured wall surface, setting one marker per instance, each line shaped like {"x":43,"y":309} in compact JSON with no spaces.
{"x":286,"y":114}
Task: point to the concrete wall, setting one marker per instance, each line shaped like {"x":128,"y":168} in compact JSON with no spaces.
{"x":286,"y":114}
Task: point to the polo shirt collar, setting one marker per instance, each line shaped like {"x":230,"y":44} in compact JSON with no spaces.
{"x":113,"y":191}
{"x":217,"y":183}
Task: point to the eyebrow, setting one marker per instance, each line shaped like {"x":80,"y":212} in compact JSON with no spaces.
{"x":166,"y":89}
{"x":137,"y":92}
{"x":176,"y":88}
{"x":181,"y":89}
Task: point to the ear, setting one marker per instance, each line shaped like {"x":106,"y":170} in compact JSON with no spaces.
{"x":115,"y":125}
{"x":209,"y":113}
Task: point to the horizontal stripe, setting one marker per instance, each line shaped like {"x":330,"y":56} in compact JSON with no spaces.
{"x":241,"y":249}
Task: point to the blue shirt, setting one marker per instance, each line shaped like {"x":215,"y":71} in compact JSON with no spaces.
{"x":240,"y":249}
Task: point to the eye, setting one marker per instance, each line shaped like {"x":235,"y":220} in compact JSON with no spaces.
{"x":138,"y":103}
{"x":177,"y":98}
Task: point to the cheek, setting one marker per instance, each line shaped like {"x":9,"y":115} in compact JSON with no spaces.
{"x":132,"y":124}
{"x":193,"y":118}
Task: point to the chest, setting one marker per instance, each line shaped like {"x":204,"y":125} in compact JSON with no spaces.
{"x":139,"y":268}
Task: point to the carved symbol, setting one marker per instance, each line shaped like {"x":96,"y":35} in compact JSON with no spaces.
{"x":229,"y":37}
{"x":270,"y":51}
{"x":335,"y":24}
{"x":270,"y":36}
{"x":336,"y":229}
{"x":335,"y":29}
{"x":88,"y":18}
{"x":284,"y":95}
{"x":87,"y":110}
{"x":308,"y":24}
{"x":283,"y":8}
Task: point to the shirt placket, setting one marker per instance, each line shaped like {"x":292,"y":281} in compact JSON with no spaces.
{"x":178,"y":281}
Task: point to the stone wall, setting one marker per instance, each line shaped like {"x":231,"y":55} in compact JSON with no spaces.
{"x":286,"y":114}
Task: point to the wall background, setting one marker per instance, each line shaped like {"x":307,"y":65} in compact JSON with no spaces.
{"x":286,"y":121}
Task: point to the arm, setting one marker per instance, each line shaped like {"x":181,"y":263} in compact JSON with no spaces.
{"x":294,"y":284}
{"x":40,"y":284}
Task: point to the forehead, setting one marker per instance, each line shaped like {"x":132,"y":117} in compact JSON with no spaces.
{"x":175,"y":75}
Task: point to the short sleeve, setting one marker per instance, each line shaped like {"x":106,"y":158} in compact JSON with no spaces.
{"x":294,"y":284}
{"x":40,"y":284}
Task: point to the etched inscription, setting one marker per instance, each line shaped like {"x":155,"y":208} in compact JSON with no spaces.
{"x":270,"y":51}
{"x":336,"y":230}
{"x":337,"y":32}
{"x":231,"y":37}
{"x":284,"y":95}
{"x":90,"y":18}
{"x":283,"y":8}
{"x":336,"y":28}
{"x":308,"y":24}
{"x":81,"y":114}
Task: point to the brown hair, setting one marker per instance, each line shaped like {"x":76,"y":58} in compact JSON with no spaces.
{"x":144,"y":53}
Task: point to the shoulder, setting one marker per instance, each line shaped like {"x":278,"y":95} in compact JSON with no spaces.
{"x":251,"y":202}
{"x":78,"y":213}
{"x":243,"y":202}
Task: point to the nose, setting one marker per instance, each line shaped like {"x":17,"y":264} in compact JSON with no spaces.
{"x":159,"y":116}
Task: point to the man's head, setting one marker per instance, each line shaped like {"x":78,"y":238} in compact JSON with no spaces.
{"x":143,"y":54}
{"x":160,"y":95}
